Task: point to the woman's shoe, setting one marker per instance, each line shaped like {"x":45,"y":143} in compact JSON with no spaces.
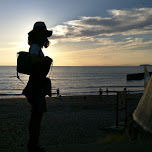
{"x":35,"y":148}
{"x":38,"y":149}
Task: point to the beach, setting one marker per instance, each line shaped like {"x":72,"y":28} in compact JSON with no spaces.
{"x":70,"y":121}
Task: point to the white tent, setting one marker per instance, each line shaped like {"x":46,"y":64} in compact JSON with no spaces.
{"x":143,"y":113}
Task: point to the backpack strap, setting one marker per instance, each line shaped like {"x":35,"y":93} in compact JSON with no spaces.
{"x":19,"y":78}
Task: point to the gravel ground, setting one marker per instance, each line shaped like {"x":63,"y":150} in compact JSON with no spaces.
{"x":69,"y":120}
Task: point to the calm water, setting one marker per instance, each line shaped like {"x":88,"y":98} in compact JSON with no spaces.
{"x":76,"y":80}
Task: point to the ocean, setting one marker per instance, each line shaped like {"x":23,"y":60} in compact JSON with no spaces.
{"x":76,"y":80}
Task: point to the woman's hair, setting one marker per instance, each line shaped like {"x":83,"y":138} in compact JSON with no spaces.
{"x":39,"y":37}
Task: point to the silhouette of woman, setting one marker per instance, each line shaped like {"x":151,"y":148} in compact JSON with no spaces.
{"x":38,"y":85}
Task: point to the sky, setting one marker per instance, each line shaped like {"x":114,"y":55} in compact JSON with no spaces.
{"x":85,"y":32}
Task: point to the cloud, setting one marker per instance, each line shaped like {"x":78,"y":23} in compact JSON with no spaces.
{"x":125,"y":22}
{"x":127,"y":44}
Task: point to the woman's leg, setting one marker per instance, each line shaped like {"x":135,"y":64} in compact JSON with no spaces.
{"x":34,"y":128}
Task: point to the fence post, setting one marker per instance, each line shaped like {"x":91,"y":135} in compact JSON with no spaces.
{"x":121,"y":105}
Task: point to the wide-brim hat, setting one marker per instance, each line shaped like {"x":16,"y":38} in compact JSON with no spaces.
{"x":41,"y":26}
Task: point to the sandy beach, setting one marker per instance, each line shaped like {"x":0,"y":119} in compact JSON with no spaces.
{"x":71,"y":121}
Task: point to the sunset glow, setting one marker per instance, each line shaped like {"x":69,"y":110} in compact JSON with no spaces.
{"x":99,"y":34}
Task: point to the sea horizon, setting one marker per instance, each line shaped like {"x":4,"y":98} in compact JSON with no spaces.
{"x":86,"y":65}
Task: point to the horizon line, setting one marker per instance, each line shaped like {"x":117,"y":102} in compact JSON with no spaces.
{"x":76,"y":65}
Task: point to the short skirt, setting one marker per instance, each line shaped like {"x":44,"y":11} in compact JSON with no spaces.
{"x":35,"y":94}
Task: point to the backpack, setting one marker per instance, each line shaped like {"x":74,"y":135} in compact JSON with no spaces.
{"x":26,"y":66}
{"x":24,"y":63}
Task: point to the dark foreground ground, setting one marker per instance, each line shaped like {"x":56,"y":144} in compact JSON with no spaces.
{"x":72,"y":124}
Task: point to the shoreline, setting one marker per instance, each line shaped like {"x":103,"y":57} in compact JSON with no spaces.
{"x":7,"y":96}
